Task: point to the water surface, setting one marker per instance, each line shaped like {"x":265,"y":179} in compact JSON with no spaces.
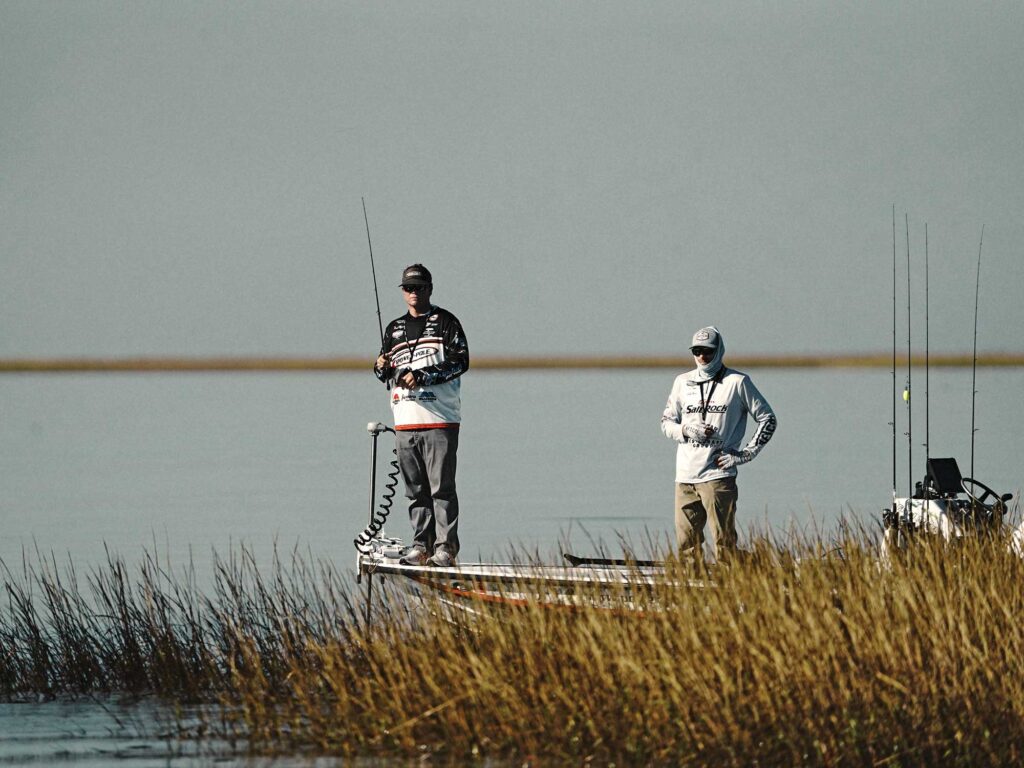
{"x":187,"y":464}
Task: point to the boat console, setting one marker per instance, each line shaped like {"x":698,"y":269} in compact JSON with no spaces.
{"x":945,"y":504}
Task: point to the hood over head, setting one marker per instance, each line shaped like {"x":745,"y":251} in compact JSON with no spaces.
{"x":709,"y":336}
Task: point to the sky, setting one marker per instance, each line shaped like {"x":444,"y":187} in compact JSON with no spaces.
{"x":582,"y":178}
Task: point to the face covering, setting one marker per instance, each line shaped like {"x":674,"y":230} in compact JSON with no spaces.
{"x":706,"y":337}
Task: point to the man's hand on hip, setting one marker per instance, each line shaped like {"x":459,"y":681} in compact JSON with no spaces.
{"x":729,"y":459}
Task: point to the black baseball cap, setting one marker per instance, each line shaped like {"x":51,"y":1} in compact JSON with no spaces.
{"x":416,"y":274}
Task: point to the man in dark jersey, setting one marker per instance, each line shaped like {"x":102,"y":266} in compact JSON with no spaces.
{"x":424,"y":354}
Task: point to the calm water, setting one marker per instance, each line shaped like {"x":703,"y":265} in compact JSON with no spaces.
{"x":186,"y":464}
{"x":90,"y":733}
{"x":96,"y":734}
{"x":189,"y":463}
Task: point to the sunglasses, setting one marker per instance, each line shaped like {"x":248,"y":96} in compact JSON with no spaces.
{"x":702,"y":351}
{"x":414,"y":288}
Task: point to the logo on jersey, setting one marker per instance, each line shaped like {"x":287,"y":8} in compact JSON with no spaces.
{"x":426,"y":352}
{"x":710,"y":409}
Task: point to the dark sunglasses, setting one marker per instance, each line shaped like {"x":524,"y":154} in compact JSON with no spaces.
{"x":414,"y":288}
{"x":702,"y":351}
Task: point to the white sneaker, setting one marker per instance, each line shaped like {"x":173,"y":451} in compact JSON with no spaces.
{"x":441,"y":558}
{"x":414,"y":556}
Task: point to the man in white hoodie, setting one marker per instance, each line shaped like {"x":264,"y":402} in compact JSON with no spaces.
{"x":706,"y":415}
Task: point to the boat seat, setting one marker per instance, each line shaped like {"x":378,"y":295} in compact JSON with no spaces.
{"x":944,"y":476}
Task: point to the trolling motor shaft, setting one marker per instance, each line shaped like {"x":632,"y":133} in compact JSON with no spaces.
{"x":374,"y":428}
{"x":366,"y":541}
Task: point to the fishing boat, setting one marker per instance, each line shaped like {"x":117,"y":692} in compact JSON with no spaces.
{"x":944,"y":504}
{"x":579,"y":582}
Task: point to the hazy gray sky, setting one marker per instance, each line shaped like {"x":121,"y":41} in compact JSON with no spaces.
{"x":185,"y":178}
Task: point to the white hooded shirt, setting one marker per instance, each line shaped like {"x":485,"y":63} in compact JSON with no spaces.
{"x":723,"y":401}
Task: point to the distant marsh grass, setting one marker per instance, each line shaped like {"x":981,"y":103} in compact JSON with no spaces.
{"x":804,"y":653}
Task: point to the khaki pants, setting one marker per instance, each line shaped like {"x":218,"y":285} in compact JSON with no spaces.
{"x":698,"y":503}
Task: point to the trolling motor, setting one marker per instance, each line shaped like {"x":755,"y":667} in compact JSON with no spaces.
{"x":372,"y":544}
{"x":369,"y":540}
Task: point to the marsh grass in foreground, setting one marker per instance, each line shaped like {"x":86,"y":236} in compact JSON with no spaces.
{"x":801,"y":653}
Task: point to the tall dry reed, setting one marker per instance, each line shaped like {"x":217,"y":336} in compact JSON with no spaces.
{"x":148,"y":630}
{"x":801,"y":653}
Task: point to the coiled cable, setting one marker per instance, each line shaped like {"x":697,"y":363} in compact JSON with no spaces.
{"x":363,"y":542}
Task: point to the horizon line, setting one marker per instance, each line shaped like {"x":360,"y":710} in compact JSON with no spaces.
{"x":185,"y":364}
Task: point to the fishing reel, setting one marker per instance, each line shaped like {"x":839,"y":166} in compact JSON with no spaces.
{"x":394,"y":375}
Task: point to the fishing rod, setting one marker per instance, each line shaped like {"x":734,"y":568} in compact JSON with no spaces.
{"x":974,"y":362}
{"x":927,"y":401}
{"x":376,"y":295}
{"x":893,"y":422}
{"x":906,"y":392}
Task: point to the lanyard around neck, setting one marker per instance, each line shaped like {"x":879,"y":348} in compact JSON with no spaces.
{"x":706,"y":401}
{"x":405,"y":330}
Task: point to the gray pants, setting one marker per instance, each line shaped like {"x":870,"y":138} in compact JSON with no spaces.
{"x":427,"y":460}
